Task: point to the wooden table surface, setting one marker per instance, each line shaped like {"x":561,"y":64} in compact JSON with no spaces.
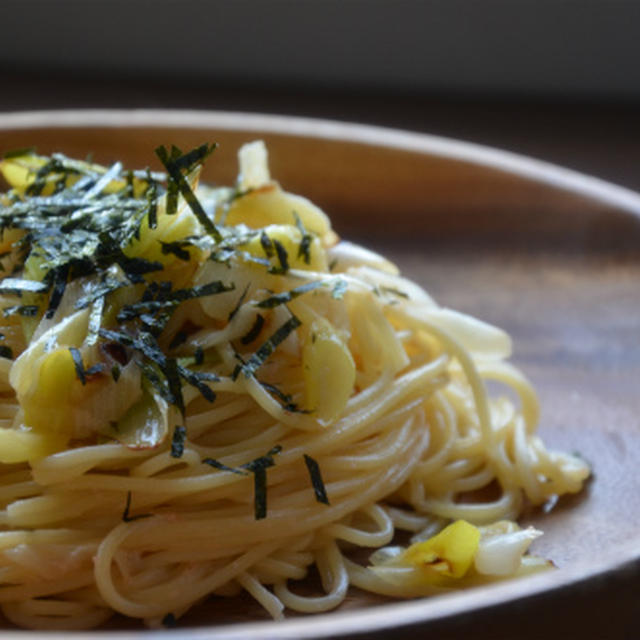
{"x":597,"y":138}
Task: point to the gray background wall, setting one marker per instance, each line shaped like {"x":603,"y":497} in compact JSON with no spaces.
{"x":548,"y":47}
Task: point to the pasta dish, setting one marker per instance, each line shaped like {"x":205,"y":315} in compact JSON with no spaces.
{"x":204,"y":391}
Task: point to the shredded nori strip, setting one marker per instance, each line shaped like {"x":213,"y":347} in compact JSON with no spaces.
{"x":24,"y":310}
{"x":111,"y":174}
{"x":118,"y":337}
{"x":284,"y":398}
{"x":6,"y":352}
{"x":216,"y":464}
{"x":171,"y":299}
{"x":283,"y":258}
{"x":235,"y":309}
{"x":395,"y":292}
{"x":177,"y":248}
{"x":163,"y":372}
{"x":177,"y":441}
{"x":99,"y":291}
{"x":287,"y":296}
{"x":223,"y":256}
{"x":259,"y":468}
{"x":339,"y":289}
{"x":174,"y":165}
{"x":263,"y":461}
{"x":269,"y":346}
{"x":198,"y":380}
{"x":20,"y":285}
{"x":187,"y":161}
{"x":128,"y":190}
{"x":260,"y":493}
{"x":125,"y":514}
{"x":304,"y":249}
{"x":157,"y":380}
{"x":173,"y":382}
{"x":116,"y":372}
{"x":172,"y":187}
{"x":95,"y":320}
{"x":36,"y":187}
{"x":255,"y":330}
{"x":59,"y":277}
{"x":78,"y":364}
{"x":135,"y":268}
{"x":94,"y":369}
{"x":153,"y":370}
{"x":152,"y":199}
{"x":267,"y":245}
{"x":316,"y":479}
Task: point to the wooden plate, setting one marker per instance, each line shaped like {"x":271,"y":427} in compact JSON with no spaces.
{"x":550,"y":255}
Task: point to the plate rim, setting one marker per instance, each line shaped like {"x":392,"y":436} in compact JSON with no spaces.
{"x":394,"y":614}
{"x":547,"y":173}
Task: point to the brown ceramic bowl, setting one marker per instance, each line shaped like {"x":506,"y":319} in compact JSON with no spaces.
{"x":548,"y":254}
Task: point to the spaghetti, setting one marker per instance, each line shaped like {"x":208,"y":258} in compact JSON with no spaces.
{"x":203,"y":392}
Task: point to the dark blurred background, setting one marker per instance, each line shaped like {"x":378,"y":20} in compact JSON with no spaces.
{"x":555,"y":79}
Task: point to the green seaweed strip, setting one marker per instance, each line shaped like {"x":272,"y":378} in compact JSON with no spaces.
{"x":216,"y":464}
{"x":20,"y":285}
{"x":287,"y":296}
{"x":78,"y":364}
{"x":177,"y":441}
{"x":126,"y":517}
{"x":243,"y":295}
{"x":269,"y":346}
{"x":316,"y":479}
{"x":283,"y":258}
{"x":339,"y":289}
{"x":24,"y":310}
{"x":255,"y":330}
{"x":173,"y":169}
{"x":304,"y":248}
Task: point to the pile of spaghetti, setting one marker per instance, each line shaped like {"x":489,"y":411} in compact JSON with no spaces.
{"x":203,"y":391}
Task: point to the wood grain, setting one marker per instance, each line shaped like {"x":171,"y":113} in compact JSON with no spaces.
{"x":552,"y":257}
